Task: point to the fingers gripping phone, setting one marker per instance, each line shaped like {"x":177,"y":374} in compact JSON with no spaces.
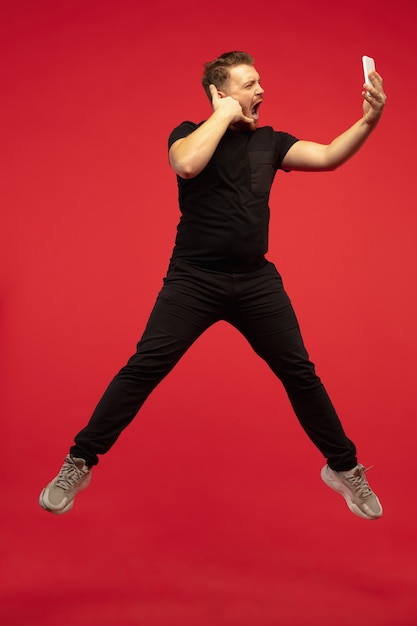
{"x":368,"y":66}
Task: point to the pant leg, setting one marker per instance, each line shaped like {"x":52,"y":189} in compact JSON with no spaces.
{"x":266,"y":318}
{"x":181,"y":314}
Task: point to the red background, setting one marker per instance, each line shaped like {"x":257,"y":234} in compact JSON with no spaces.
{"x":209,"y":511}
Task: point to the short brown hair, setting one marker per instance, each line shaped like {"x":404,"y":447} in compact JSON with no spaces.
{"x":216,"y":72}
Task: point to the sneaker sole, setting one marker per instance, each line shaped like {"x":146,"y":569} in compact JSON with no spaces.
{"x":344,"y":491}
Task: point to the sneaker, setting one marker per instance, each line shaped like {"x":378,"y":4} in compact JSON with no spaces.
{"x":355,"y":489}
{"x":58,"y":496}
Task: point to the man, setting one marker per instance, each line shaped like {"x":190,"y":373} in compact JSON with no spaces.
{"x":225,"y":167}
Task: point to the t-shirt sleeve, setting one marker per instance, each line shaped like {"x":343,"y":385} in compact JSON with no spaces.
{"x":181,"y":131}
{"x":284,"y":143}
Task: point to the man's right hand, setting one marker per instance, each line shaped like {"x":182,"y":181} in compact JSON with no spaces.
{"x":229,"y":106}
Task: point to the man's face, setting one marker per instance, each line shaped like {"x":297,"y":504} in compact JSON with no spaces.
{"x":244,"y":85}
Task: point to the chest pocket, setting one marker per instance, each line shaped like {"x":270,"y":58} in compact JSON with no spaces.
{"x":262,"y":170}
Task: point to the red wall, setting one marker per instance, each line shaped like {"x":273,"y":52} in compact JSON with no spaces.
{"x":90,"y":93}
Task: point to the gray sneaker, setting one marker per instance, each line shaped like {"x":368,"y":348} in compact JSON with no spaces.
{"x":58,"y":496}
{"x":355,"y":489}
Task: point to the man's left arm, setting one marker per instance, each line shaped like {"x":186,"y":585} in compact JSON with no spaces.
{"x":312,"y":156}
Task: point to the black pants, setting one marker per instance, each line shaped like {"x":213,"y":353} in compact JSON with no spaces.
{"x":191,"y":300}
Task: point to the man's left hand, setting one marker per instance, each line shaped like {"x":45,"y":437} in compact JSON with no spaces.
{"x":374,"y":99}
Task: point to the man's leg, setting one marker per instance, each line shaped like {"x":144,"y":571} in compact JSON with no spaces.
{"x":266,"y":318}
{"x":180,"y":315}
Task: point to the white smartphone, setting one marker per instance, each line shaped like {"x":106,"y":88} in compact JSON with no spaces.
{"x":368,"y":66}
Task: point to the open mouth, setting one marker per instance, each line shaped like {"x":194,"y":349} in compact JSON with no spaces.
{"x":255,"y":110}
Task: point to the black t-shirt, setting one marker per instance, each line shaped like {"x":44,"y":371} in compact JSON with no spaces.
{"x":224,"y":209}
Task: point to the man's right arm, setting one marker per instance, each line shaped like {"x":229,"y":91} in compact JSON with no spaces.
{"x":189,"y":155}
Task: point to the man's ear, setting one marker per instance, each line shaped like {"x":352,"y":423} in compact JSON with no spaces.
{"x":221,"y":94}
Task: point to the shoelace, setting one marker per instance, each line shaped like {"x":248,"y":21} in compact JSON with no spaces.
{"x":69,"y":475}
{"x":358,"y":482}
